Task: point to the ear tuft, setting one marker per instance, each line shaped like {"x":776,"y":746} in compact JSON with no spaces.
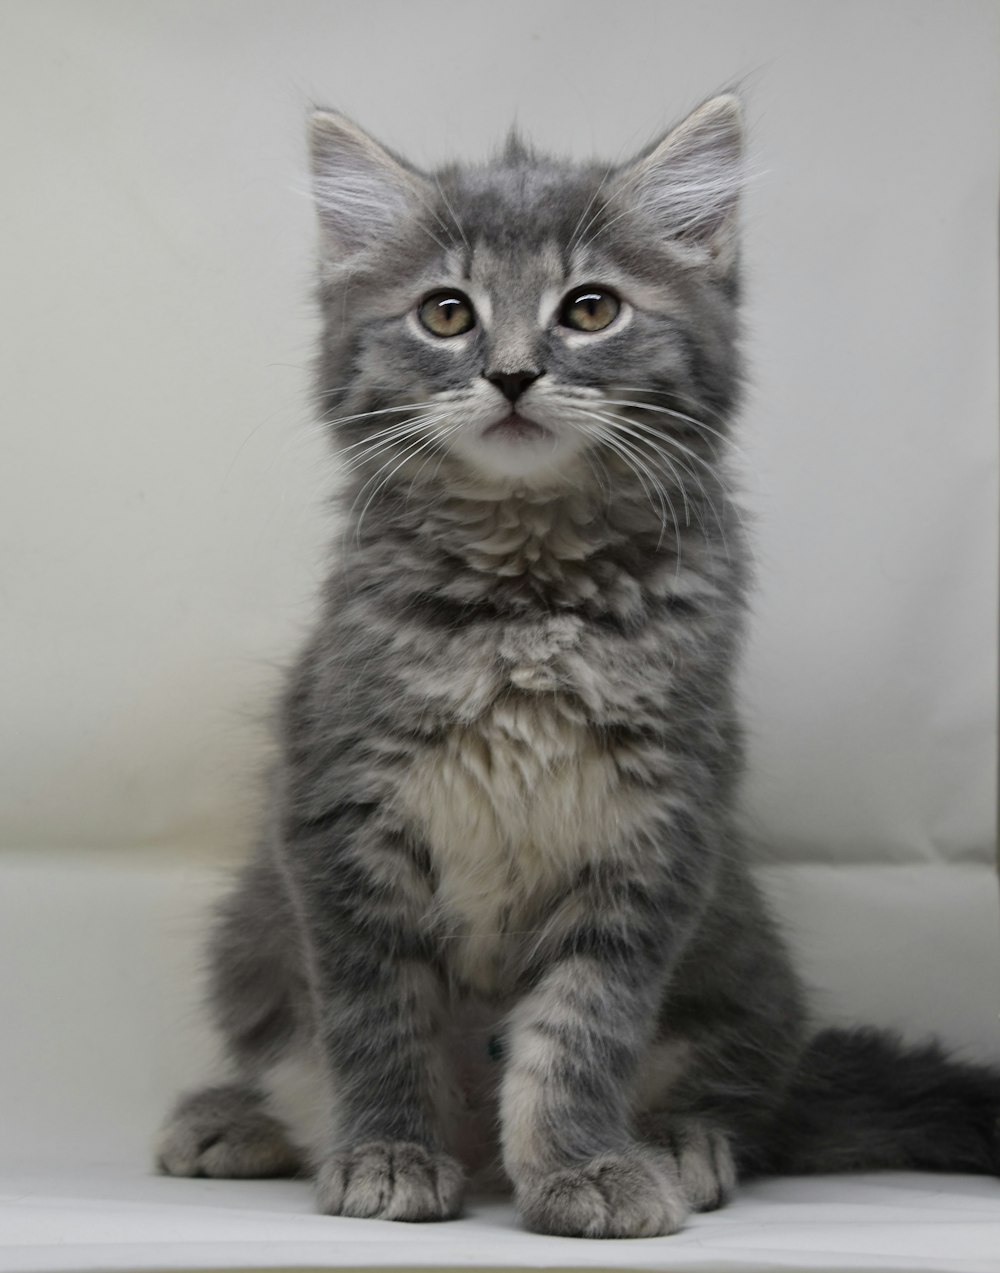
{"x":362,"y":191}
{"x":688,"y":185}
{"x":515,"y":149}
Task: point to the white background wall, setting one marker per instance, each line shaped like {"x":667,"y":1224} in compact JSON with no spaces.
{"x":161,"y":521}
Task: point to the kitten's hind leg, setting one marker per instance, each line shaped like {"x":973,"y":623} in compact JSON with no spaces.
{"x":225,"y":1131}
{"x":704,"y":1157}
{"x":258,"y":995}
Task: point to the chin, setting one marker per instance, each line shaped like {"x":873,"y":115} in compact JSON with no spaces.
{"x":533,"y":457}
{"x":539,"y":464}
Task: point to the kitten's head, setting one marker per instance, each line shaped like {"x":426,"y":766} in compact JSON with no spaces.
{"x":526,"y":321}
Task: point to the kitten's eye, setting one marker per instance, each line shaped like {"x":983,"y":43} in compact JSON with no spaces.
{"x":447,"y":313}
{"x":589,"y":309}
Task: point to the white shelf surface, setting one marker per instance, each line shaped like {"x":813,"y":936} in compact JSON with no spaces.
{"x":106,"y":1218}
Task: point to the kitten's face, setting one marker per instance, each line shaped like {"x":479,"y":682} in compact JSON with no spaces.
{"x":528,"y":321}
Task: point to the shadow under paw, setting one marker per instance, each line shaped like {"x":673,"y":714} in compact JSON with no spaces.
{"x":226,"y":1132}
{"x":390,"y":1180}
{"x":634,"y":1194}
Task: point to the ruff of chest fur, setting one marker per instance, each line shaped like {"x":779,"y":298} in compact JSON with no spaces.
{"x":523,"y":787}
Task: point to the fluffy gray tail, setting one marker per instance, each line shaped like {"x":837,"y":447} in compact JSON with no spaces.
{"x":863,"y":1099}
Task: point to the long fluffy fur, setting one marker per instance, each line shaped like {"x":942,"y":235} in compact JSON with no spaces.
{"x":503,"y":883}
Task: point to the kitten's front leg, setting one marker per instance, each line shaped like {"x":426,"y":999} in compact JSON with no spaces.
{"x":573,"y":1047}
{"x":379,"y":1007}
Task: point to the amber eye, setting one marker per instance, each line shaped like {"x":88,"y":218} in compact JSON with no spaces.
{"x":589,"y":309}
{"x":447,"y":313}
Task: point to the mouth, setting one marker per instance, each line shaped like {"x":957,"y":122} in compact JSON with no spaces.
{"x":515,"y":428}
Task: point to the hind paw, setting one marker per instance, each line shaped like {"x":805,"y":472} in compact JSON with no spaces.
{"x":225,"y":1131}
{"x":703,"y":1155}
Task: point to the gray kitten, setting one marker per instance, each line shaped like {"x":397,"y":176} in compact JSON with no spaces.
{"x":501,"y":906}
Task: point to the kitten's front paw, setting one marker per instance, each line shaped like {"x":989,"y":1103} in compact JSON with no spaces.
{"x":390,"y":1180}
{"x":635,"y":1194}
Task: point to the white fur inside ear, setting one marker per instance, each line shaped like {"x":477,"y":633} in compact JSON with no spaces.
{"x":689,"y":185}
{"x":361,"y":191}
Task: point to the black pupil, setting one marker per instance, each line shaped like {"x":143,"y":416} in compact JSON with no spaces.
{"x":449,"y":309}
{"x":590,"y":302}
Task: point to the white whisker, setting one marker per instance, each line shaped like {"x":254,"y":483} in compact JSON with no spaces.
{"x":415,"y":431}
{"x":363,"y":415}
{"x":664,"y":441}
{"x":374,"y":440}
{"x":578,"y":233}
{"x":451,"y":212}
{"x":622,"y":423}
{"x":411,"y":451}
{"x":635,"y":460}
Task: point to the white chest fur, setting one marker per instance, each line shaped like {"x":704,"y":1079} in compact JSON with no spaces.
{"x":518,"y":796}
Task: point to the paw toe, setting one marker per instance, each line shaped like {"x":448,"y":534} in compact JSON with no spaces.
{"x":624,"y":1195}
{"x":707,"y":1168}
{"x":390,"y":1181}
{"x":224,"y":1132}
{"x":703,"y":1154}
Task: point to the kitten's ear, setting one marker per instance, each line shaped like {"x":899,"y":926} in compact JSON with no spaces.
{"x":687,"y":187}
{"x":362,"y":191}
